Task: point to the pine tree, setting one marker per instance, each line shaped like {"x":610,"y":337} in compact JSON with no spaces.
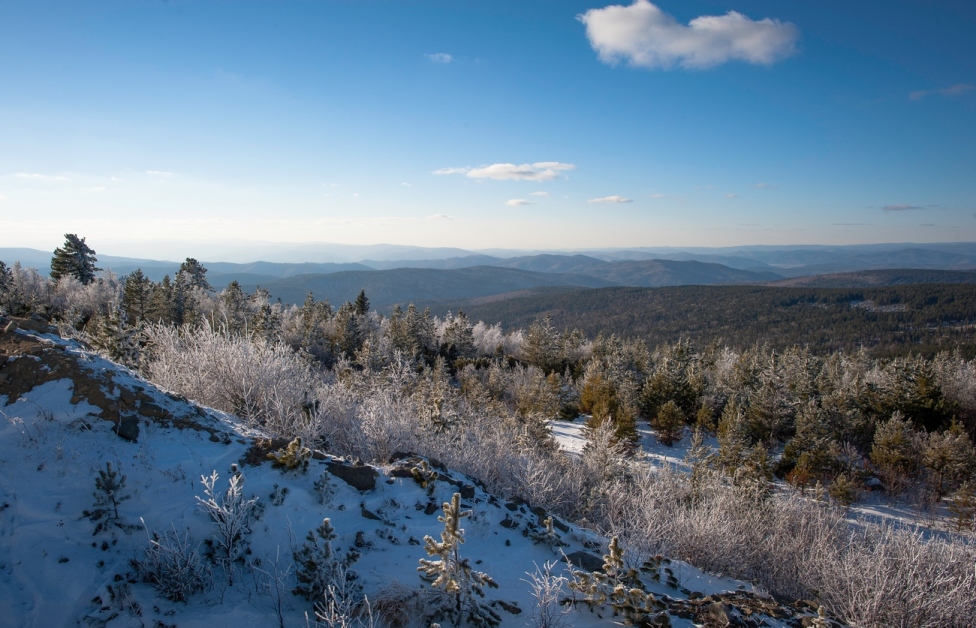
{"x":362,"y":304}
{"x":733,"y":438}
{"x":136,"y":296}
{"x":348,"y":331}
{"x":454,"y":575}
{"x":950,"y":457}
{"x":108,"y":496}
{"x":314,"y":316}
{"x":194,"y":274}
{"x":234,"y":310}
{"x":458,"y":341}
{"x":669,"y":423}
{"x":74,"y":259}
{"x":699,"y":459}
{"x":894,"y":451}
{"x":618,"y":586}
{"x":161,"y":302}
{"x":542,"y":345}
{"x":318,"y":567}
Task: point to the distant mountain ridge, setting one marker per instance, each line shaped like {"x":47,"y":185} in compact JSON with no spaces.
{"x":445,"y":274}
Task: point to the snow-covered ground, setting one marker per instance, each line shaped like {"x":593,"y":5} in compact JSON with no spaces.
{"x":54,"y":571}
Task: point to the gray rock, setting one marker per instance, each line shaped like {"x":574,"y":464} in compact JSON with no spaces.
{"x":585,"y":560}
{"x":360,"y":477}
{"x":128,"y":428}
{"x":370,"y":515}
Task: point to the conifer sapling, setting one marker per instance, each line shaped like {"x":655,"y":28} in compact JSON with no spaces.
{"x":453,"y":575}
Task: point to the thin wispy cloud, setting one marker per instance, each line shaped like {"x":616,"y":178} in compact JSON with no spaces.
{"x":539,"y":194}
{"x":610,"y":199}
{"x":463,"y":170}
{"x":440,"y":217}
{"x":516,"y":202}
{"x":764,"y":186}
{"x":406,"y":185}
{"x":731,"y":195}
{"x":645,"y":36}
{"x":901,"y":208}
{"x":440,"y":57}
{"x":954,"y":90}
{"x":539,"y":171}
{"x":159,"y":173}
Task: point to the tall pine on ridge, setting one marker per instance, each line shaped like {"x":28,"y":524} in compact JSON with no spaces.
{"x":74,"y":259}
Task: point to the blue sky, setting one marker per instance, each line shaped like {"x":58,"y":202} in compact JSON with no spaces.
{"x":155,"y":127}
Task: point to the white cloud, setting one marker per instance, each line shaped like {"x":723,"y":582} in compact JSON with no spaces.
{"x":440,"y":217}
{"x":731,"y":195}
{"x":159,"y":173}
{"x":405,"y":184}
{"x":440,"y":57}
{"x":645,"y":36}
{"x":539,"y":194}
{"x":610,"y":199}
{"x":954,"y":90}
{"x":763,"y":186}
{"x":515,"y":202}
{"x":539,"y":171}
{"x":41,"y":177}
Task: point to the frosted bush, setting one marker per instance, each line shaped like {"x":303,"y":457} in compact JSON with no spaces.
{"x":265,"y":383}
{"x":173,"y":566}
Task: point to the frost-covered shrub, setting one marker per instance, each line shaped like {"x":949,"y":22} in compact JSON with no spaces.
{"x":547,"y":591}
{"x":294,"y":457}
{"x":265,"y":383}
{"x":231,"y":513}
{"x":173,"y":566}
{"x":870,"y":575}
{"x":27,"y":292}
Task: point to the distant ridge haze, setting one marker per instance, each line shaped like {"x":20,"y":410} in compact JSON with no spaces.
{"x":393,"y":274}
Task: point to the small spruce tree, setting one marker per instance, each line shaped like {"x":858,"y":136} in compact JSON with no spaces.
{"x":618,"y":586}
{"x":461,"y":585}
{"x":108,"y":496}
{"x":362,"y":304}
{"x":136,"y":297}
{"x":318,"y":567}
{"x":669,"y":423}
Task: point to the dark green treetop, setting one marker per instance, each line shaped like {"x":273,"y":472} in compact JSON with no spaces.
{"x":74,"y":259}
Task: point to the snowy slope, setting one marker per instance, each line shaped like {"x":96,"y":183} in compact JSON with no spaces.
{"x":55,"y":572}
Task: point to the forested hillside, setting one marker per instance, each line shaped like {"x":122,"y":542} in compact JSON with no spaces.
{"x":779,"y":442}
{"x":895,"y":320}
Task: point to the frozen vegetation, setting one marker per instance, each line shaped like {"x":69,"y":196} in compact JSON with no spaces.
{"x":778,"y":451}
